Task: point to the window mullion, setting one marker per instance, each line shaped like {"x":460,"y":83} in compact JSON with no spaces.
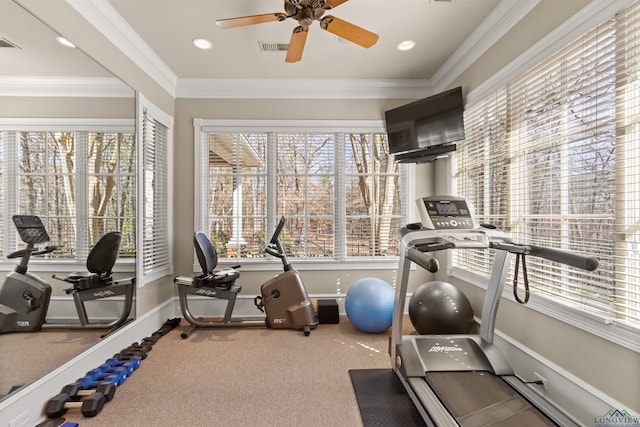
{"x":339,"y":197}
{"x":10,"y":188}
{"x":82,"y":199}
{"x":272,"y":181}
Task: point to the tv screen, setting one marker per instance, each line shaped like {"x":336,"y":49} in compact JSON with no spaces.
{"x":426,"y":124}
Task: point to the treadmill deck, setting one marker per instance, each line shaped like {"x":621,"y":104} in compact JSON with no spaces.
{"x":477,"y":398}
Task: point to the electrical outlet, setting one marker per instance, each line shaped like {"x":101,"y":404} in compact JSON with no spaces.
{"x":542,"y":380}
{"x":21,"y":420}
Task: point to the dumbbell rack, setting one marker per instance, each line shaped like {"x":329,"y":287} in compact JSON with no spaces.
{"x":90,"y":393}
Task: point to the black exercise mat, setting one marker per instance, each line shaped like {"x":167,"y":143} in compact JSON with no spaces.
{"x":382,"y":399}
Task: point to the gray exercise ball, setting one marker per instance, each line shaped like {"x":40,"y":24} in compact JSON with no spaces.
{"x":440,"y":308}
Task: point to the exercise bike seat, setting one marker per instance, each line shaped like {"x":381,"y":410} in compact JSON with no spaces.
{"x":208,"y":259}
{"x":100,"y":261}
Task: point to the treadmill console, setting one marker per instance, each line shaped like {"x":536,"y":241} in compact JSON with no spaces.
{"x":446,"y":213}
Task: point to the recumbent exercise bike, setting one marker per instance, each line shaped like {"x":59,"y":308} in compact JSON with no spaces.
{"x":25,"y":297}
{"x":283,"y":298}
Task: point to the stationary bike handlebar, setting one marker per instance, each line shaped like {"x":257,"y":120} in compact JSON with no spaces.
{"x":275,"y":247}
{"x":32,"y":251}
{"x":276,"y":233}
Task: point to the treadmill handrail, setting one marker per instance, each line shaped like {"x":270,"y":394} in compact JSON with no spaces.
{"x":573,"y":259}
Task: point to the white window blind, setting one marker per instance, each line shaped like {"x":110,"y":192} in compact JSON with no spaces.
{"x":554,"y":158}
{"x":76,"y":175}
{"x":336,"y":184}
{"x":155,"y":258}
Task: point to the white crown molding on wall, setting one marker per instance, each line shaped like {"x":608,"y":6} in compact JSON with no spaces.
{"x":302,"y":89}
{"x":109,"y":22}
{"x":501,"y":19}
{"x":101,"y":87}
{"x":106,"y":20}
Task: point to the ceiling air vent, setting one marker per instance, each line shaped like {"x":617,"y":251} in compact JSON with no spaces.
{"x":273,"y":46}
{"x":7,"y":43}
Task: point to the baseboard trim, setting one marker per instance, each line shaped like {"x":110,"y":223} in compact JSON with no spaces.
{"x":26,"y":404}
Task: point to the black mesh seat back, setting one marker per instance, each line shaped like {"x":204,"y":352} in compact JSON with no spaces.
{"x":104,"y":254}
{"x":207,"y":255}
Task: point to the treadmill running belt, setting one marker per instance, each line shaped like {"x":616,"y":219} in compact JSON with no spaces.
{"x":477,"y":399}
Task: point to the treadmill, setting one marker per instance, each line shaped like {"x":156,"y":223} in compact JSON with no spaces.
{"x":464,"y":379}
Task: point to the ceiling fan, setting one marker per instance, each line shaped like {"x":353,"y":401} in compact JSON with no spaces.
{"x":305,"y":12}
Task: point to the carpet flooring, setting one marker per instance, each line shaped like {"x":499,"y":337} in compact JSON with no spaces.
{"x":26,"y":356}
{"x":246,"y":376}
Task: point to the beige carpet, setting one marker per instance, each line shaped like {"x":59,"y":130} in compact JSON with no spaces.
{"x":247,"y":377}
{"x":26,"y":356}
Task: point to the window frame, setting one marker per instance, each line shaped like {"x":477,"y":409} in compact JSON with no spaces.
{"x":150,"y":268}
{"x":206,"y":126}
{"x":10,"y":239}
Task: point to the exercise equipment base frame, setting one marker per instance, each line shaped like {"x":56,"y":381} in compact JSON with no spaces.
{"x":123,"y":287}
{"x":186,"y":288}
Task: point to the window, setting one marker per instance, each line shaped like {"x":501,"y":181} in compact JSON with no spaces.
{"x":155,"y":257}
{"x":78,"y":176}
{"x":340,"y":190}
{"x":554,"y":158}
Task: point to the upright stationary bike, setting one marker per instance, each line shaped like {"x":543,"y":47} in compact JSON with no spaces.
{"x":24,"y":296}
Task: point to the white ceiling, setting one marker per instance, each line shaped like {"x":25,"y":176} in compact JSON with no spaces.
{"x":157,"y":34}
{"x":438,"y":27}
{"x":36,"y":52}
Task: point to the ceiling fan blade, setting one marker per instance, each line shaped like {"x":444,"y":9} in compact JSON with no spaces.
{"x":296,"y":44}
{"x":335,"y":3}
{"x":250,"y":20}
{"x":348,"y":31}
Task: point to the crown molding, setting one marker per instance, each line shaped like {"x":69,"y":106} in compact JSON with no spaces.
{"x":109,"y":22}
{"x":501,"y":19}
{"x":87,"y":87}
{"x":303,"y":88}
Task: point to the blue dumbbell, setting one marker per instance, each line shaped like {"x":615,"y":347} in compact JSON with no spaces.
{"x":89,"y":382}
{"x":107,"y":368}
{"x":100,"y":375}
{"x":114,"y":361}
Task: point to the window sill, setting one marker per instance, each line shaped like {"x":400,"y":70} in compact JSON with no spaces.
{"x":309,"y":265}
{"x":66,"y":266}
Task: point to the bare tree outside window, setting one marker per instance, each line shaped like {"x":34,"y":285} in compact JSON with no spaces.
{"x":81,"y":184}
{"x":318,"y":181}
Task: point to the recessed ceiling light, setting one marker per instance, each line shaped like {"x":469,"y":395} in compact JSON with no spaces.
{"x":202,"y":43}
{"x":64,"y":42}
{"x":406,"y":45}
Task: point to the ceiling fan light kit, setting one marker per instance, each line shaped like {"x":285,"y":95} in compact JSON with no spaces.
{"x":305,"y":12}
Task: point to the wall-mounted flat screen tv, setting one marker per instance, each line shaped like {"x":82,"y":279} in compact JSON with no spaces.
{"x":426,"y":128}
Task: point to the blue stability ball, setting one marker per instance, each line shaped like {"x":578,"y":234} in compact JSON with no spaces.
{"x":369,"y":305}
{"x":440,"y":308}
